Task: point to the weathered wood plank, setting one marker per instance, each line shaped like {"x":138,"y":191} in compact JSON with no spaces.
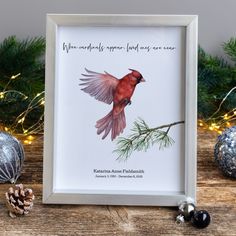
{"x":215,"y":193}
{"x":114,"y":220}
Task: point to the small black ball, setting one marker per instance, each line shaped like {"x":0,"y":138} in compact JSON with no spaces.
{"x":201,"y":219}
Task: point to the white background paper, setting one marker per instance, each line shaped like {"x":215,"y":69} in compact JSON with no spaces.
{"x":78,"y":149}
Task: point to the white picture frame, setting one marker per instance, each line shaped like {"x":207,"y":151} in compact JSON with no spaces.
{"x":51,"y":194}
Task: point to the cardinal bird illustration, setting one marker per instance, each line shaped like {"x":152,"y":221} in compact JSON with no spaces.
{"x":106,"y":88}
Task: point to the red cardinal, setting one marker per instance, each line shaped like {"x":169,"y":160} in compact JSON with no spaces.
{"x":106,"y":88}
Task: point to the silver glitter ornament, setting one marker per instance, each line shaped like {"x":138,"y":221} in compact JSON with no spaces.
{"x":186,"y":209}
{"x":225,"y":152}
{"x":11,"y":158}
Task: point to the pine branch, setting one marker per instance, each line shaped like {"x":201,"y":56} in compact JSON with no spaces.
{"x":143,"y":137}
{"x":21,"y":77}
{"x":215,"y":78}
{"x":230,"y":48}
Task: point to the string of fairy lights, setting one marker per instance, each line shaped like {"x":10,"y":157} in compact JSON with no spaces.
{"x":28,"y":132}
{"x":219,"y":123}
{"x":214,"y":123}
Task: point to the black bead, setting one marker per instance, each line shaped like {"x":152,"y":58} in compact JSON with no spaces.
{"x":201,"y":219}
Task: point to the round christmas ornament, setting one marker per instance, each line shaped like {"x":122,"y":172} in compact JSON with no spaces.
{"x":11,"y":158}
{"x":186,"y":209}
{"x":201,"y":219}
{"x":188,"y":212}
{"x":225,"y":152}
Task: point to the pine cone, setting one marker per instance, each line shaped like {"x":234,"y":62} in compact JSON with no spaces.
{"x":19,"y":201}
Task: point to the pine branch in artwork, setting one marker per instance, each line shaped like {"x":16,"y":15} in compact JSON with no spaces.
{"x":143,"y":137}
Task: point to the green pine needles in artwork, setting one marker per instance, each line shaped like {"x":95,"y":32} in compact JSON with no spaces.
{"x":142,"y":137}
{"x":21,"y":78}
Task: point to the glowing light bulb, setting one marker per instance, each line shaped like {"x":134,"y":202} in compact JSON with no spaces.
{"x":27,"y":141}
{"x":30,"y":138}
{"x":21,"y":120}
{"x":25,"y":131}
{"x":15,"y":76}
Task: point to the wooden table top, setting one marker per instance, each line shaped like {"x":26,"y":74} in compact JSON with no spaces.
{"x":215,"y":193}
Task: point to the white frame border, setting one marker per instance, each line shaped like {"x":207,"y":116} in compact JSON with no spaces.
{"x":50,"y":196}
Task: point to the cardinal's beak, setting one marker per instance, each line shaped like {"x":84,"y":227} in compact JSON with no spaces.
{"x":142,"y":80}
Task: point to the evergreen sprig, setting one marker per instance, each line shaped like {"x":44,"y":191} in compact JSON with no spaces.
{"x":24,"y":58}
{"x":142,"y":137}
{"x":216,"y":77}
{"x":230,"y":48}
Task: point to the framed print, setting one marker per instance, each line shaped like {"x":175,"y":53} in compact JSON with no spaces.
{"x":120,"y":109}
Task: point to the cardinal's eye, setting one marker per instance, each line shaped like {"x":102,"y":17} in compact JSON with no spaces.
{"x":139,"y":78}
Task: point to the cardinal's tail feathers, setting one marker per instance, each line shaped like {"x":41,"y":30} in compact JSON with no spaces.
{"x":109,"y":123}
{"x":118,"y":125}
{"x":104,"y":124}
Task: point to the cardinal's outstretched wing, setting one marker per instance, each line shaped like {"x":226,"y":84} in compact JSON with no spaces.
{"x":100,"y":86}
